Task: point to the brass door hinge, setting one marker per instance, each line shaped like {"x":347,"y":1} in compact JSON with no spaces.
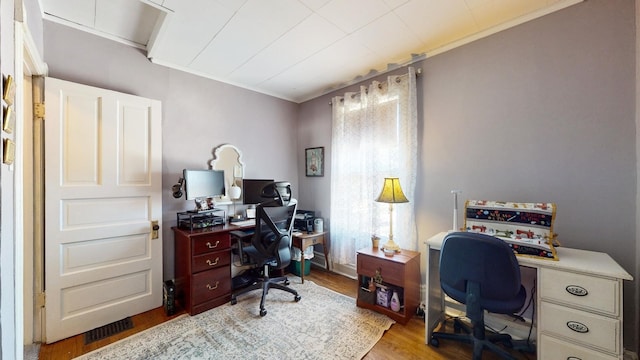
{"x":38,"y":110}
{"x":40,"y":299}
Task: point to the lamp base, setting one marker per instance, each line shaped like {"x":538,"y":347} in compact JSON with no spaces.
{"x":391,"y":245}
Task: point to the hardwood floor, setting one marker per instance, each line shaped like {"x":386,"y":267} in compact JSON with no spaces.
{"x":399,"y":342}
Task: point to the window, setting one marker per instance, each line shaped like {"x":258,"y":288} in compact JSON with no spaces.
{"x":374,"y":135}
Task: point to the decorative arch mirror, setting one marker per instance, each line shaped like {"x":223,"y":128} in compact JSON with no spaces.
{"x":229,"y":158}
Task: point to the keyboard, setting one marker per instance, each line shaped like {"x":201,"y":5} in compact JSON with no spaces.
{"x":245,"y":222}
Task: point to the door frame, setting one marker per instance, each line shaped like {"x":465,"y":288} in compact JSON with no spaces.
{"x":33,"y":281}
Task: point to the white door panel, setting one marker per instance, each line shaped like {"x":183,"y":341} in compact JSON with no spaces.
{"x":103,"y":190}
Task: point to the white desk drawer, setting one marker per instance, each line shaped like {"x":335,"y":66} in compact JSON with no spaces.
{"x":554,"y":349}
{"x":589,"y":329}
{"x":586,"y":291}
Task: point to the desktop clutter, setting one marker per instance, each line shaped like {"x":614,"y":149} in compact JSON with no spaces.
{"x":526,"y":227}
{"x":305,"y":222}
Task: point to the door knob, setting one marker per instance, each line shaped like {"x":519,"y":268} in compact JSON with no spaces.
{"x":154,"y":229}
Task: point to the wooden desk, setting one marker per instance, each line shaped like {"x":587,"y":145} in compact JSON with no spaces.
{"x":203,"y":267}
{"x":304,"y":240}
{"x":582,"y":287}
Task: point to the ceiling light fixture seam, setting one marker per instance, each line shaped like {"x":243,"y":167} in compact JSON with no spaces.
{"x":214,"y":36}
{"x":269,"y":45}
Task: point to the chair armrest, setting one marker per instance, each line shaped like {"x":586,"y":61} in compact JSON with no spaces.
{"x":240,"y":235}
{"x":241,"y":238}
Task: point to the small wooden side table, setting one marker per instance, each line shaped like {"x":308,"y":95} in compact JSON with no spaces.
{"x":401,"y":271}
{"x":304,"y":240}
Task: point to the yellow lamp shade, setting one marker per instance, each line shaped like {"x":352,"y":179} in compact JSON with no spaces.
{"x":392,"y":192}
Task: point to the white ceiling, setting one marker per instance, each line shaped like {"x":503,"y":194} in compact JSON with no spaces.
{"x":293,"y":49}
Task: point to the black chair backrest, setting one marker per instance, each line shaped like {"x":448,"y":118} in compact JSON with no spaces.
{"x":276,"y":193}
{"x":273,"y":231}
{"x":485,"y":259}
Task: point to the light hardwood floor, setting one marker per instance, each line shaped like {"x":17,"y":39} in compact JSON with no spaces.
{"x":399,"y":342}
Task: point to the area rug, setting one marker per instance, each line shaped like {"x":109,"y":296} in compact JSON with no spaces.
{"x":322,"y":325}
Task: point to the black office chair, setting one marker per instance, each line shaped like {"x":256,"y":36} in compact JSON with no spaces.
{"x":271,"y":242}
{"x":482,"y":272}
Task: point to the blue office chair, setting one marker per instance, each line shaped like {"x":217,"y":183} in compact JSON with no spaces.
{"x":482,"y":272}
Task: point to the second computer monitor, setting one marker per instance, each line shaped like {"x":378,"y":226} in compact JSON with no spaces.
{"x":252,"y":189}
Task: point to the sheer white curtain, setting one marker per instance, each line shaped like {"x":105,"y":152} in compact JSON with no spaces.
{"x":374,"y":135}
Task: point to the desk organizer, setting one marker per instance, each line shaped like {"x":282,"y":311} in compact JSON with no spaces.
{"x":191,"y":220}
{"x":526,"y":227}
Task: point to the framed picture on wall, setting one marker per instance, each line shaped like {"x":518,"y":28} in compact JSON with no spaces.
{"x":314,"y":160}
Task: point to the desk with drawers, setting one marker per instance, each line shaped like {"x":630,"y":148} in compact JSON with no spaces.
{"x":203,"y":267}
{"x":578,"y":299}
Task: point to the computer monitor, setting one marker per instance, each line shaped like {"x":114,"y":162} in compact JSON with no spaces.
{"x":202,"y":184}
{"x":252,"y":189}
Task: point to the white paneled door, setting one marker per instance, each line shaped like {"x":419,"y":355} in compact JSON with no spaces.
{"x":103,"y":260}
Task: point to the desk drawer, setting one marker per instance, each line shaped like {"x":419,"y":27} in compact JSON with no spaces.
{"x":581,"y":326}
{"x":586,"y":291}
{"x":316,"y":240}
{"x":210,"y":242}
{"x":392,"y":272}
{"x":210,"y":284}
{"x":211,"y":261}
{"x":555,"y":349}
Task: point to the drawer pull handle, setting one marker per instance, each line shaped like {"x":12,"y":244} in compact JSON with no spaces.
{"x":577,"y":290}
{"x":577,"y":327}
{"x":213,"y":287}
{"x":573,"y":358}
{"x":214,"y":245}
{"x":213,"y":263}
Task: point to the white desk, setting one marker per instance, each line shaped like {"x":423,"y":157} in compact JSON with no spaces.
{"x":585,"y":326}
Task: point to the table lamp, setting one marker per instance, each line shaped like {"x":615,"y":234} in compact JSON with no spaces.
{"x":391,"y":193}
{"x":234,"y":194}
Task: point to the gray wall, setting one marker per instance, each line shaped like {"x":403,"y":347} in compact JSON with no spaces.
{"x":543,"y":112}
{"x":198,"y":114}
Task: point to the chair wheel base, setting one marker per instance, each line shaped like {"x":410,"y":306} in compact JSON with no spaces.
{"x":297,"y":298}
{"x":234,"y":301}
{"x":457,"y":328}
{"x":263,"y":312}
{"x":434,"y":342}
